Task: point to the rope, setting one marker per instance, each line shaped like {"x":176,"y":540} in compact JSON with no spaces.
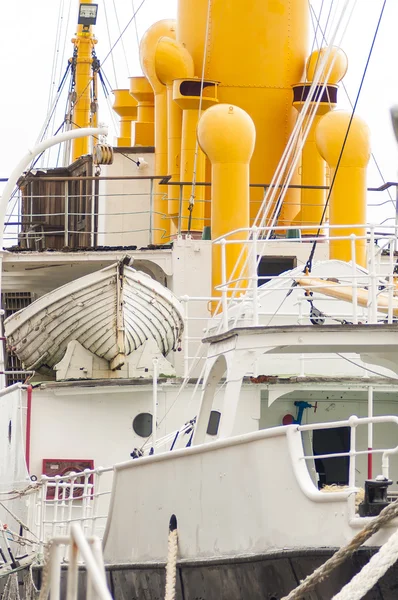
{"x":371,"y":572}
{"x":11,"y":590}
{"x":171,"y":566}
{"x":323,"y":572}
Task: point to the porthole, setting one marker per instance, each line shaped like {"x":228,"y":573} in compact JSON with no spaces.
{"x":214,"y":422}
{"x":142,"y":425}
{"x":9,"y":432}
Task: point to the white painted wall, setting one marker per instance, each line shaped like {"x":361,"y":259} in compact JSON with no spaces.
{"x":124,"y":205}
{"x":231,"y":498}
{"x":96,"y":423}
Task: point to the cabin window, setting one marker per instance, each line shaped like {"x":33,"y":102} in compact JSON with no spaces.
{"x":332,"y":441}
{"x":142,"y":425}
{"x":214,"y":422}
{"x":271,"y":266}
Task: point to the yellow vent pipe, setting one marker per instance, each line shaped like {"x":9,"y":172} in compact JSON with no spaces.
{"x":142,"y":131}
{"x":313,"y":166}
{"x":347,"y":204}
{"x":227,"y":136}
{"x":148,"y":46}
{"x":125,"y":106}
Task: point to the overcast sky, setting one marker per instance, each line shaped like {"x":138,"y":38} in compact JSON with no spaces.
{"x":28,"y":42}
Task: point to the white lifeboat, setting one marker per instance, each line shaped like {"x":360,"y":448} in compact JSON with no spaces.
{"x":111,"y":313}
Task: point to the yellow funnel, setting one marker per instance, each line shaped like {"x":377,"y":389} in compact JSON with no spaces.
{"x":256,"y":52}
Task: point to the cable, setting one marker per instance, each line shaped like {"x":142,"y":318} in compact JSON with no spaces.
{"x":136,"y":26}
{"x":118,"y":26}
{"x":124,"y":30}
{"x":110,"y":46}
{"x":366,"y":368}
{"x":308,"y":265}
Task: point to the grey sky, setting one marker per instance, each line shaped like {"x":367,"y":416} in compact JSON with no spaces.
{"x":27,"y":44}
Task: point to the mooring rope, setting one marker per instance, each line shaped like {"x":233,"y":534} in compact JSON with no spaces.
{"x":171,"y":567}
{"x":374,"y":570}
{"x":320,"y":574}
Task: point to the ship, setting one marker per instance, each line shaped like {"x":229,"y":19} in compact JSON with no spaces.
{"x":200,"y":327}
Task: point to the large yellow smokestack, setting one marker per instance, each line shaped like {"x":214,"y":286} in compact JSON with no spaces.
{"x":257,"y":51}
{"x":348,"y":174}
{"x":148,"y":48}
{"x":227,"y":136}
{"x":313,"y":167}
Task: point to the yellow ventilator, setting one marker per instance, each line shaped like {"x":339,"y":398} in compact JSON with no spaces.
{"x":313,"y":167}
{"x":148,"y":46}
{"x":125,"y":106}
{"x":84,"y":43}
{"x":347,"y":204}
{"x":173,"y":61}
{"x":256,"y":52}
{"x":142,"y":130}
{"x":227,"y":136}
{"x":187,"y":95}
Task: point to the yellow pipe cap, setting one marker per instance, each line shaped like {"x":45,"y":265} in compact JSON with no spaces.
{"x":337,"y":58}
{"x":227,"y":134}
{"x":330,"y":135}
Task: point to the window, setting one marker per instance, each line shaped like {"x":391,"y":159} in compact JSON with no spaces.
{"x":142,"y":425}
{"x":270,"y":266}
{"x":214,"y":422}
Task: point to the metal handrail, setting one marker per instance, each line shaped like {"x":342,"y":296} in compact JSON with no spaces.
{"x":90,"y":550}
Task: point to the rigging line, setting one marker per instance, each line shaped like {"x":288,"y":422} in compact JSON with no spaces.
{"x":319,"y":27}
{"x":311,"y":256}
{"x":56,"y":100}
{"x":324,"y":38}
{"x":136,"y":27}
{"x":195,"y":160}
{"x":366,"y":368}
{"x":110,"y":45}
{"x":118,"y":26}
{"x":66,"y":33}
{"x":55,"y":55}
{"x":124,"y":30}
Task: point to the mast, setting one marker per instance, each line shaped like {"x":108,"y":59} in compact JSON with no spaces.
{"x":84,"y":69}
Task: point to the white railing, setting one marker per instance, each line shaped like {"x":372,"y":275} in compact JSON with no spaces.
{"x":242,"y":289}
{"x":90,"y":550}
{"x":56,"y":517}
{"x":81,"y":498}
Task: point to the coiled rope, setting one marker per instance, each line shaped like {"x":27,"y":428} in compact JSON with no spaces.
{"x":171,"y":567}
{"x":323,"y":572}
